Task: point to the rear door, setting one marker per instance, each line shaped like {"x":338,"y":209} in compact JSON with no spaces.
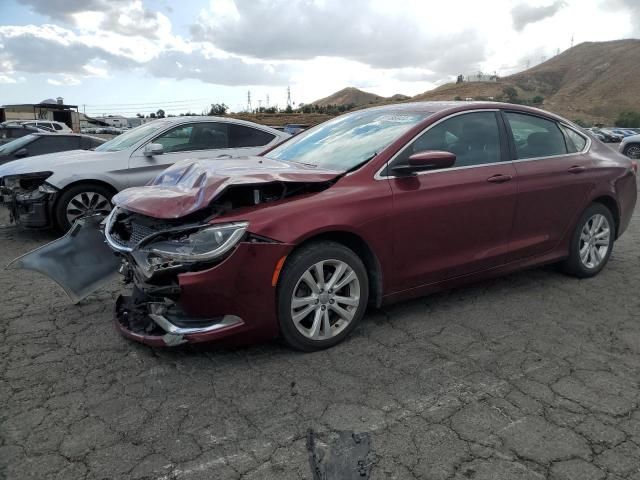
{"x":454,"y":221}
{"x":201,"y":140}
{"x":52,"y":144}
{"x":554,"y":179}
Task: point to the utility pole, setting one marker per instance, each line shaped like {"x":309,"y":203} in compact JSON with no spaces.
{"x":259,"y":104}
{"x":249,"y":101}
{"x":288,"y":96}
{"x":267,"y":100}
{"x":84,"y":109}
{"x":572,"y":40}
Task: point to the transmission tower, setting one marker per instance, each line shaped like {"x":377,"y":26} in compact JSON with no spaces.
{"x":288,"y":96}
{"x":249,"y":108}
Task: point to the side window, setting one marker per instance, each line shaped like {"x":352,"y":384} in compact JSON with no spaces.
{"x":194,"y":136}
{"x":473,"y":137}
{"x":51,"y":144}
{"x":575,"y":141}
{"x":57,"y":126}
{"x":535,"y":136}
{"x":177,"y":139}
{"x":241,"y":136}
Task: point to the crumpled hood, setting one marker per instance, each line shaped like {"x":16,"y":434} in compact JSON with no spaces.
{"x":189,"y":185}
{"x":52,"y":161}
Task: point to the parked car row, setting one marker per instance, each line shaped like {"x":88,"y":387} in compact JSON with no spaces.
{"x":103,"y":130}
{"x":372,"y":207}
{"x":64,"y":186}
{"x":41,"y":143}
{"x":45,"y":125}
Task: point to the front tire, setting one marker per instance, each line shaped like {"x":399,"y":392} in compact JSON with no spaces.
{"x":592,"y":242}
{"x":632,"y":151}
{"x":322,"y":295}
{"x":81,"y":200}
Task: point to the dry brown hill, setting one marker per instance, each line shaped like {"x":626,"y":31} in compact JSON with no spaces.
{"x":349,"y":95}
{"x":593,"y":81}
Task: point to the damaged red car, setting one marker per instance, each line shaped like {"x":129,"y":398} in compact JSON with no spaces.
{"x":369,"y":208}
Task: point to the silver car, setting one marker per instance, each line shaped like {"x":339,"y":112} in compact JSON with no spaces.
{"x":630,"y":146}
{"x":56,"y":189}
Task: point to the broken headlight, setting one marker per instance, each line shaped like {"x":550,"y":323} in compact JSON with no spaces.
{"x":202,"y":245}
{"x":25,"y":181}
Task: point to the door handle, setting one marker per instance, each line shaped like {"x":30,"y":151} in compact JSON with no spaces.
{"x":576,"y":169}
{"x":499,"y":178}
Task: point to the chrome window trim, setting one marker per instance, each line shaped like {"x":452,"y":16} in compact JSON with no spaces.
{"x":379,"y":176}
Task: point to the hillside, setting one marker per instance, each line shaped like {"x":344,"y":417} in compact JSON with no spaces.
{"x":350,"y":96}
{"x":594,"y":81}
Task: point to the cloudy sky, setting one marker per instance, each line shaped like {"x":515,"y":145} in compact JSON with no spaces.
{"x":129,"y":56}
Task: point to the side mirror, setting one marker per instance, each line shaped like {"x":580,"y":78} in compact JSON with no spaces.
{"x":23,"y":152}
{"x":152,"y":149}
{"x":428,"y":160}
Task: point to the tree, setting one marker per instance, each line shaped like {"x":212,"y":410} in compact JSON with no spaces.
{"x":152,"y":115}
{"x":537,"y":100}
{"x":511,"y":93}
{"x":218,"y":109}
{"x":160,"y":113}
{"x":582,"y":123}
{"x":457,"y":98}
{"x":628,"y":119}
{"x":460,"y":79}
{"x":288,"y":109}
{"x":139,"y":115}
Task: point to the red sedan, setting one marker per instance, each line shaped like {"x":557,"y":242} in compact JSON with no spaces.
{"x":369,"y":208}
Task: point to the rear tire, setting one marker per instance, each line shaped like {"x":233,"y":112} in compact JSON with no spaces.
{"x":79,"y":200}
{"x":318,"y":310}
{"x":592,"y":242}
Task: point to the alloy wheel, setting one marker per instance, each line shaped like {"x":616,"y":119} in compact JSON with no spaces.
{"x":325,"y":299}
{"x":595,"y":241}
{"x":633,"y":152}
{"x":87,"y":203}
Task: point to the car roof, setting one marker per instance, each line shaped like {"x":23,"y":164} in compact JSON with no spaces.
{"x":434,"y":107}
{"x":207,"y":118}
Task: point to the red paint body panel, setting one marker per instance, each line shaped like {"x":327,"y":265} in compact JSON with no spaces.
{"x":188,"y":186}
{"x":432,"y":231}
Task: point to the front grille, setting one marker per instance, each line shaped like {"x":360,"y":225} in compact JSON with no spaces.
{"x":127,"y":233}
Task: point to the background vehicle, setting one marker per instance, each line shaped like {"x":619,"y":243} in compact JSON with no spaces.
{"x":40,"y":143}
{"x":630,"y":146}
{"x":51,"y":125}
{"x":372,"y":207}
{"x":295,"y":128}
{"x":9,"y":133}
{"x":77,"y":181}
{"x":606,"y":136}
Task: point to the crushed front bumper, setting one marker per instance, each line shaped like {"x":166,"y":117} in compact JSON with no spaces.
{"x":163,"y":324}
{"x":30,"y":209}
{"x":233,"y":301}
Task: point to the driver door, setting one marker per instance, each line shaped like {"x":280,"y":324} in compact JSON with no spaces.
{"x":204,"y":140}
{"x":454,"y":221}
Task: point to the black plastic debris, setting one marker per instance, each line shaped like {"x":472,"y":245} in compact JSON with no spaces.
{"x":343,"y":457}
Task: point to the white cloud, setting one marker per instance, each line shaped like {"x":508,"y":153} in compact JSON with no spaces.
{"x":64,"y":80}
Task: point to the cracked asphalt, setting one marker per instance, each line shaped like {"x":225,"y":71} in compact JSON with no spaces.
{"x":532,"y":376}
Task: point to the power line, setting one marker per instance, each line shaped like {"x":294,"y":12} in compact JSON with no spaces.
{"x":100,"y":105}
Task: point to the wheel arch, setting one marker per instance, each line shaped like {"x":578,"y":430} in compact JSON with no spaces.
{"x":101,"y":183}
{"x":612,"y":205}
{"x":356,"y":243}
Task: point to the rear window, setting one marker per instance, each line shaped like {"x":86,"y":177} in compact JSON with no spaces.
{"x":241,"y":136}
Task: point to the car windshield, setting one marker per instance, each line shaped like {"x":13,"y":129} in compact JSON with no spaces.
{"x":130,"y":138}
{"x":349,"y":140}
{"x":17,"y":144}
